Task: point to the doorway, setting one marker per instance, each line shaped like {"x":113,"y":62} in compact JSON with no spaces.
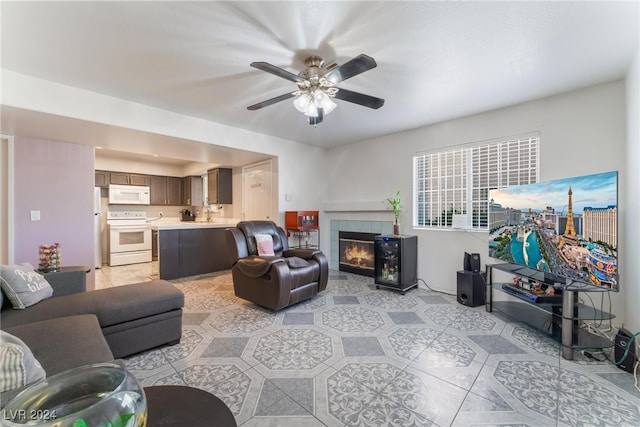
{"x":258,"y":191}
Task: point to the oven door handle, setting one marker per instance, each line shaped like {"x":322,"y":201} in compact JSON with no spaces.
{"x":129,"y":228}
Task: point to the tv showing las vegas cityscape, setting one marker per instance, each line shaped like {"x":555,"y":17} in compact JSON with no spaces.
{"x":566,"y":227}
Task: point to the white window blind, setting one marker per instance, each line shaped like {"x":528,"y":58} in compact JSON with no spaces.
{"x":451,"y":188}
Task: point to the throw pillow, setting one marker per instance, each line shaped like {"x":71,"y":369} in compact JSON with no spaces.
{"x":18,"y":367}
{"x":264,"y":242}
{"x":23,"y":286}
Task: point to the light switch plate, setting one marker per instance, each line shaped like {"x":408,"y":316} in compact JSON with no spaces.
{"x":35,"y":215}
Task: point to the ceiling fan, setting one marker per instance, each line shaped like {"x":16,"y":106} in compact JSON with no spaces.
{"x":317,"y":86}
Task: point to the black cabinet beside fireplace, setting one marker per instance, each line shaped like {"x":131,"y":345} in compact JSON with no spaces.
{"x":396,"y":262}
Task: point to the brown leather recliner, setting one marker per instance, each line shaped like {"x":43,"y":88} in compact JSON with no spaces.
{"x":274,"y":282}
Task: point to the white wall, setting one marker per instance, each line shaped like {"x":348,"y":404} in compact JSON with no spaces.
{"x":631,"y":266}
{"x":137,"y":166}
{"x":6,"y":203}
{"x":582,"y":132}
{"x":299,"y":166}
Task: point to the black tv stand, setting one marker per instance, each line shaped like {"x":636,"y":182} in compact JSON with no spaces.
{"x":558,"y":317}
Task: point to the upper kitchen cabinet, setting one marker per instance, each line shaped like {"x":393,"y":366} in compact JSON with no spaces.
{"x":166,"y":190}
{"x":101,"y":179}
{"x":192,"y":191}
{"x":220,"y":186}
{"x":124,"y":178}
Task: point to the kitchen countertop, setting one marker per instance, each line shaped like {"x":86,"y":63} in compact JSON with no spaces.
{"x":179,"y":225}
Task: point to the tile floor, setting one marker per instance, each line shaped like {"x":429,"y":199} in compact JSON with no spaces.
{"x":357,"y":356}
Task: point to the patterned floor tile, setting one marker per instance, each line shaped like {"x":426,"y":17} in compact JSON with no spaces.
{"x":409,"y":343}
{"x":495,"y":344}
{"x":194,"y":318}
{"x":390,"y":300}
{"x":242,"y":319}
{"x":433,"y":299}
{"x":298,"y":389}
{"x":345,"y":299}
{"x":362,"y":346}
{"x":447,"y":350}
{"x":226,"y":347}
{"x":414,"y":389}
{"x":227,"y":381}
{"x":293,"y":349}
{"x":298,"y":319}
{"x":355,"y":355}
{"x":405,"y":318}
{"x":354,"y":393}
{"x":284,"y":407}
{"x":352,"y":319}
{"x":622,"y":380}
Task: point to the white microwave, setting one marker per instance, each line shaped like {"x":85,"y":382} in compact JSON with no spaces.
{"x":128,"y":195}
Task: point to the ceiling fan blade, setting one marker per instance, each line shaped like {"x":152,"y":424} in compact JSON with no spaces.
{"x":353,"y":67}
{"x":359,"y":98}
{"x":268,"y":102}
{"x":276,"y":71}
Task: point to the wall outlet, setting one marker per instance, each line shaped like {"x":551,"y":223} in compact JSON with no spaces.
{"x":35,"y":215}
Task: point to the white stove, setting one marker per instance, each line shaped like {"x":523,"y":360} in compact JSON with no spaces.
{"x":129,"y":237}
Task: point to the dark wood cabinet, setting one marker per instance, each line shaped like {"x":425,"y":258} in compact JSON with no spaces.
{"x":189,"y":252}
{"x":158,"y":190}
{"x":119,"y":178}
{"x":101,"y":179}
{"x":165,"y":190}
{"x":124,"y":178}
{"x":174,"y":191}
{"x":143,"y":180}
{"x":192,"y":191}
{"x":220,"y":189}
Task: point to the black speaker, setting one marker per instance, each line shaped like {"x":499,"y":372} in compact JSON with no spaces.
{"x":470,"y":288}
{"x":623,"y":339}
{"x":471,"y":262}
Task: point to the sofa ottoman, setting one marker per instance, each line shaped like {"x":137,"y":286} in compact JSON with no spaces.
{"x":132,"y":318}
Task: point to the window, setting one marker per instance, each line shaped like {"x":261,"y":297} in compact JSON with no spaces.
{"x":451,"y":188}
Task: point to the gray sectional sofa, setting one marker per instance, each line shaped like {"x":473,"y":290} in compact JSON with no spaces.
{"x":75,"y":327}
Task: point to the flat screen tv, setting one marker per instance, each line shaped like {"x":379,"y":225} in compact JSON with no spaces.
{"x":567,"y":228}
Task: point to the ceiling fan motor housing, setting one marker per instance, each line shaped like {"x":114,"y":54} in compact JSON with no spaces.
{"x":314,"y":70}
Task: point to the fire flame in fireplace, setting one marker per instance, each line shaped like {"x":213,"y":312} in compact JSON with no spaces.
{"x":358,"y":255}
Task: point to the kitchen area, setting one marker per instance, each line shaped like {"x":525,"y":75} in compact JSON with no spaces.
{"x":165,"y":226}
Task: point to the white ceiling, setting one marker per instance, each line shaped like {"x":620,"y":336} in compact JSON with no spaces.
{"x":436,"y":60}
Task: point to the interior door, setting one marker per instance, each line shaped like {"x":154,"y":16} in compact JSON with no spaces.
{"x":257,"y":191}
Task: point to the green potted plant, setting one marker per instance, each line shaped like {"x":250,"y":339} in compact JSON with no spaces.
{"x":396,"y":206}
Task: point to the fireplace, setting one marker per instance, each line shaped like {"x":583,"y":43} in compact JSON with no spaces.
{"x":356,"y":251}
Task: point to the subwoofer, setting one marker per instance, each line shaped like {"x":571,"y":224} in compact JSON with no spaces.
{"x":471,"y":288}
{"x":623,"y":340}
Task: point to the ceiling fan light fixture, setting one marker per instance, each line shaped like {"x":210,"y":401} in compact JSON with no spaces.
{"x":316,"y":86}
{"x":302,"y":102}
{"x":324,"y":101}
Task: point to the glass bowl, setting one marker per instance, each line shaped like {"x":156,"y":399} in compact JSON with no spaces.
{"x":98,"y":395}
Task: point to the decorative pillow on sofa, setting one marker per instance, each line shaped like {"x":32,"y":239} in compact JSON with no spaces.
{"x":23,"y":286}
{"x":264,"y":242}
{"x":18,"y":367}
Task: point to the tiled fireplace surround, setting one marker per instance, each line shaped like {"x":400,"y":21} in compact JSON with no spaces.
{"x":363,"y":226}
